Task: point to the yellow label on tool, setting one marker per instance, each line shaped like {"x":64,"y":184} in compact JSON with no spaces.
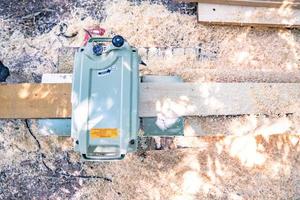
{"x":104,"y":133}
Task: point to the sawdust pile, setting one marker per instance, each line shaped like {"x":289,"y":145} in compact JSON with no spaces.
{"x":227,"y":47}
{"x":261,"y":161}
{"x":250,"y":162}
{"x":222,"y":47}
{"x":30,"y":57}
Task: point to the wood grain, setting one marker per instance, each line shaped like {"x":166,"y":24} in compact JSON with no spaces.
{"x":254,"y":3}
{"x":35,"y":100}
{"x":174,"y":99}
{"x":246,"y":15}
{"x":204,"y":99}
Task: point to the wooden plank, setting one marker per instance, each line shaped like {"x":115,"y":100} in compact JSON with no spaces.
{"x":174,"y":99}
{"x":245,"y":15}
{"x":204,"y":99}
{"x":254,"y":3}
{"x":35,"y":100}
{"x":57,"y":78}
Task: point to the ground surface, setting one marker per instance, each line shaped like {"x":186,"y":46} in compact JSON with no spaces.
{"x":252,"y":157}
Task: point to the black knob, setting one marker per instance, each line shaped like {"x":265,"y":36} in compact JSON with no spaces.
{"x":118,"y":41}
{"x":98,"y":49}
{"x":4,"y":72}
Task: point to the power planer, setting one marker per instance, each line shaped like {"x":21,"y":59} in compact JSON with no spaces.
{"x":103,"y":117}
{"x":105,"y":123}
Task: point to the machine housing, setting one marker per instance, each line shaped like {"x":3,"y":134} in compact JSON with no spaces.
{"x":105,"y":121}
{"x":105,"y":93}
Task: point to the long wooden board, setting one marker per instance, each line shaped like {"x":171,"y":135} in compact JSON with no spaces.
{"x":35,"y":100}
{"x":254,"y":3}
{"x":179,"y":99}
{"x":246,"y":15}
{"x":205,"y":99}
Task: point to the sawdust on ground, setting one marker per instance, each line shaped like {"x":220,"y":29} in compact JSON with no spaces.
{"x":256,"y":157}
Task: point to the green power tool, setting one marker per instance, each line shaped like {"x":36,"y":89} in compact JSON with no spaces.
{"x":105,"y":97}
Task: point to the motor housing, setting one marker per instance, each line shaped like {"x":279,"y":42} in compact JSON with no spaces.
{"x":105,"y":91}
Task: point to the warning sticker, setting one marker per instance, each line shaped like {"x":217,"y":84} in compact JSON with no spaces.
{"x":104,"y":133}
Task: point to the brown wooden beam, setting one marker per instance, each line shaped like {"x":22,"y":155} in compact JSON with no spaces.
{"x":182,"y":99}
{"x":35,"y":100}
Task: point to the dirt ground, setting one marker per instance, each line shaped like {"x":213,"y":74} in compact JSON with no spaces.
{"x":237,"y":157}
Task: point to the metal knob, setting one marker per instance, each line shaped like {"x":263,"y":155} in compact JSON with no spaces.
{"x":118,"y":41}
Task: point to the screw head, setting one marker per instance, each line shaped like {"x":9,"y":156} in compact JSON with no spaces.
{"x":132,"y":142}
{"x":98,"y":49}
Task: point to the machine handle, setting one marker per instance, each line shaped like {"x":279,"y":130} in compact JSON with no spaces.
{"x":117,"y":40}
{"x":98,"y":39}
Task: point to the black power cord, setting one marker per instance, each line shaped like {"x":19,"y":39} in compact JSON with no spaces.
{"x":62,"y":31}
{"x":55,"y":173}
{"x":32,"y":135}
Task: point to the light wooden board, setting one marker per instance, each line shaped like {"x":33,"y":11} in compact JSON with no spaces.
{"x":35,"y":100}
{"x":245,"y":15}
{"x":179,"y":99}
{"x":190,"y":99}
{"x":254,"y":3}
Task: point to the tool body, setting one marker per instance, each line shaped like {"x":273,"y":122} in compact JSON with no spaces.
{"x":105,"y":101}
{"x":105,"y":89}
